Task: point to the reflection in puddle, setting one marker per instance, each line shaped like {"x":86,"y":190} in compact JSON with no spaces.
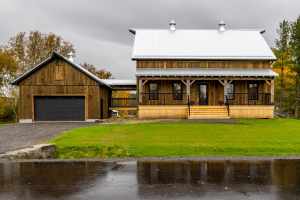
{"x":270,"y":179}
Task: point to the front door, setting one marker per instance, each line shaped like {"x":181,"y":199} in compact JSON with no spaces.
{"x":203,"y":94}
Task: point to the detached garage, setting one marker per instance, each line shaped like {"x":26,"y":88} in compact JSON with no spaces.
{"x":60,"y":90}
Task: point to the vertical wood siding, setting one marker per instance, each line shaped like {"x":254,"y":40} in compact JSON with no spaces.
{"x":49,"y":81}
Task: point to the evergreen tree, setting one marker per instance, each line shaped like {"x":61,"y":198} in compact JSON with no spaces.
{"x":282,"y":54}
{"x":295,"y":51}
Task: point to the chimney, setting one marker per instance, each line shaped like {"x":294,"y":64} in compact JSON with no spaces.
{"x":222,"y":26}
{"x":172,"y":23}
{"x":71,"y":56}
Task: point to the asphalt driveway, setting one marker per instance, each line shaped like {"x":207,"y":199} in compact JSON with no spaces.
{"x":18,"y":136}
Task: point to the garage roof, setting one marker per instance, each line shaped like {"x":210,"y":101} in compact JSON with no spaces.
{"x":54,"y":56}
{"x":203,"y":72}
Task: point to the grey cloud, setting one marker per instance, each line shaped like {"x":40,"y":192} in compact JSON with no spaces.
{"x":99,"y":29}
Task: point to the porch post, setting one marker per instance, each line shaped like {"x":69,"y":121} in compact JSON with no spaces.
{"x":225,"y":91}
{"x":140,"y":91}
{"x":188,"y":90}
{"x":272,"y":92}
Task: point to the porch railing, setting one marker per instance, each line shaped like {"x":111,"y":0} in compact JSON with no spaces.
{"x":164,"y":99}
{"x":249,"y":98}
{"x":123,"y":102}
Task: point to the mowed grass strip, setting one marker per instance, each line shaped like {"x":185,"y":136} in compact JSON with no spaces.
{"x":253,"y":137}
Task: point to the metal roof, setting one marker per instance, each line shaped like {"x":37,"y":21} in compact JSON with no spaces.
{"x":203,"y":72}
{"x":197,"y":44}
{"x":57,"y":55}
{"x":119,"y":81}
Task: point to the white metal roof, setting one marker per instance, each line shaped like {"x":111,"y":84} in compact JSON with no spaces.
{"x":119,"y":81}
{"x":200,"y":45}
{"x":203,"y":72}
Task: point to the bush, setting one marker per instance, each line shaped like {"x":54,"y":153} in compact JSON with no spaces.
{"x":7,"y":114}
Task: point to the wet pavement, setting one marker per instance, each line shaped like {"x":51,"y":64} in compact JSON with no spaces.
{"x":211,"y":179}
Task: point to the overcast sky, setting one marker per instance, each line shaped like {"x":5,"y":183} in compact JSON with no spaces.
{"x":99,"y":29}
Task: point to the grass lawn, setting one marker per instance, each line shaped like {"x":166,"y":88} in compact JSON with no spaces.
{"x":254,"y":137}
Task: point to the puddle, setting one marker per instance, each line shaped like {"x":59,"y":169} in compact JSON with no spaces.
{"x":253,"y":179}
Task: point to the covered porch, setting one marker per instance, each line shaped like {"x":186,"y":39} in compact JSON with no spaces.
{"x":241,"y":93}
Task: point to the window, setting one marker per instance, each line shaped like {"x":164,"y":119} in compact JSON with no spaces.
{"x":230,"y":91}
{"x":153,"y":91}
{"x":177,"y":90}
{"x":253,"y":90}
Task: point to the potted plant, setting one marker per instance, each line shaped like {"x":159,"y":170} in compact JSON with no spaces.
{"x":192,"y":102}
{"x":220,"y":102}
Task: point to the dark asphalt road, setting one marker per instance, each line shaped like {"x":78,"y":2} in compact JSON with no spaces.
{"x":215,"y":179}
{"x":18,"y":136}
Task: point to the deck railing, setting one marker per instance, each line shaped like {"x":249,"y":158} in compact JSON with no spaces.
{"x":123,"y":102}
{"x":249,"y":98}
{"x":164,"y":99}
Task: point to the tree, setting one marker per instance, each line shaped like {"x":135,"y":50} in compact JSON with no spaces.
{"x":37,"y":47}
{"x":282,"y":54}
{"x":295,"y":51}
{"x":101,"y":73}
{"x":8,"y":69}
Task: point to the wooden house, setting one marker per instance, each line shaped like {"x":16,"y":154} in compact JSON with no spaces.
{"x":203,"y":73}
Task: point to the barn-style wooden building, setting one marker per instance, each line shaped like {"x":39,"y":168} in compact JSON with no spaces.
{"x":60,"y":90}
{"x":201,"y":73}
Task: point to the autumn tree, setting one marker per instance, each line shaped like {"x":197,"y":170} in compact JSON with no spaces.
{"x":31,"y":50}
{"x":100,"y":73}
{"x":8,"y":69}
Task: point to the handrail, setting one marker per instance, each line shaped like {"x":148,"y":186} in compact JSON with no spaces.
{"x":123,"y":102}
{"x":189,"y":105}
{"x":227,"y":104}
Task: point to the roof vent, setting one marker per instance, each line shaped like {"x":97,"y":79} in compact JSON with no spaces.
{"x":222,"y":26}
{"x":172,"y":23}
{"x":71,"y":56}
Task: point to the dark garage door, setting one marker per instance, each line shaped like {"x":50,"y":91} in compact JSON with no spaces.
{"x":59,"y":108}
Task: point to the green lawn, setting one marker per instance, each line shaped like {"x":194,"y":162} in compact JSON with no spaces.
{"x":254,"y":137}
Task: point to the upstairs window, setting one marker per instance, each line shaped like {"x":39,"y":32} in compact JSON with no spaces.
{"x":230,"y":91}
{"x":253,"y":90}
{"x":177,"y":90}
{"x":153,"y":91}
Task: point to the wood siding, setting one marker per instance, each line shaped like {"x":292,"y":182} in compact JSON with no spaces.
{"x":65,"y":81}
{"x":215,"y":94}
{"x":254,"y":112}
{"x":204,"y":64}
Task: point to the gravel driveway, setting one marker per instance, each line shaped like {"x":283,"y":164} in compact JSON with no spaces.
{"x":18,"y":136}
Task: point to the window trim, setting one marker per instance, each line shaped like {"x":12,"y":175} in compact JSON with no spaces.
{"x":153,"y":93}
{"x":253,"y":93}
{"x":233,"y":91}
{"x":177,"y":93}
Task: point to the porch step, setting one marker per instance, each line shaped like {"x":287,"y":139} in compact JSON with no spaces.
{"x":209,"y":117}
{"x":208,"y":112}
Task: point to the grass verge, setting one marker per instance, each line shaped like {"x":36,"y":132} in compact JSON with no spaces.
{"x":253,"y":138}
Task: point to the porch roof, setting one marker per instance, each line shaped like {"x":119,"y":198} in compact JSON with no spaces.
{"x":203,"y":72}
